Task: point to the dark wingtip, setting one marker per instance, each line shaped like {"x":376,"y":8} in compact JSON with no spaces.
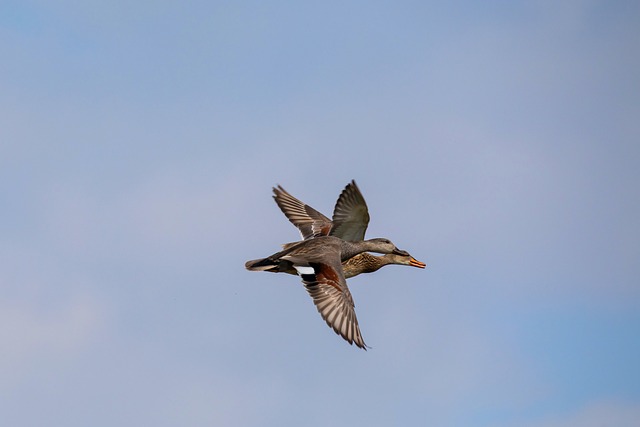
{"x":364,"y":346}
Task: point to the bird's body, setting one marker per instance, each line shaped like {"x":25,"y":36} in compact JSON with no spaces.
{"x":318,"y":262}
{"x":361,"y":263}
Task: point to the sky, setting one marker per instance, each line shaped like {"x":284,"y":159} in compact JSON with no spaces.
{"x":498,"y":142}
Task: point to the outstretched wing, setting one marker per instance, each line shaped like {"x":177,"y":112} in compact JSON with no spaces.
{"x":309,"y":221}
{"x":351,"y":215}
{"x":328,"y":288}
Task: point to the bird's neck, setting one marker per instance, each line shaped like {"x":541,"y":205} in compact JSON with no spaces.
{"x":350,"y":249}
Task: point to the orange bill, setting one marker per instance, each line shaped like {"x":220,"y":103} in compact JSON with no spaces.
{"x":415,"y":263}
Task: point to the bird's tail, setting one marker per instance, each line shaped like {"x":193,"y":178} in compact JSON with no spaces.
{"x":271,"y":265}
{"x":263,"y":264}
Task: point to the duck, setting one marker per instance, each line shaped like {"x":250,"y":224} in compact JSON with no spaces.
{"x":350,"y":221}
{"x":318,"y":262}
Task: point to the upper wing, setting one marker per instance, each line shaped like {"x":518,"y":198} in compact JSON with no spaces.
{"x":351,"y":215}
{"x":328,"y":288}
{"x":309,"y":221}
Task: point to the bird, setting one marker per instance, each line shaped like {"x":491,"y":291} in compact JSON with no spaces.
{"x":318,"y":262}
{"x":350,"y":221}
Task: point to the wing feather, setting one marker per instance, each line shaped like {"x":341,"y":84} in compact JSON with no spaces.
{"x":329,"y":291}
{"x":309,"y":221}
{"x":350,"y":215}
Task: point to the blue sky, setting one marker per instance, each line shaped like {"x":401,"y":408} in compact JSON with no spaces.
{"x":497,"y":142}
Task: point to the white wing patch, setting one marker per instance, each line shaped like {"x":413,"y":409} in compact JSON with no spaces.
{"x":303,"y":270}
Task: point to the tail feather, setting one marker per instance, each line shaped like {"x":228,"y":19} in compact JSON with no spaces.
{"x":271,"y":265}
{"x":263,"y":264}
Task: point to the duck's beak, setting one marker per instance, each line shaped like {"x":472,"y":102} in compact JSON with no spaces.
{"x":400,"y":252}
{"x":415,"y":263}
